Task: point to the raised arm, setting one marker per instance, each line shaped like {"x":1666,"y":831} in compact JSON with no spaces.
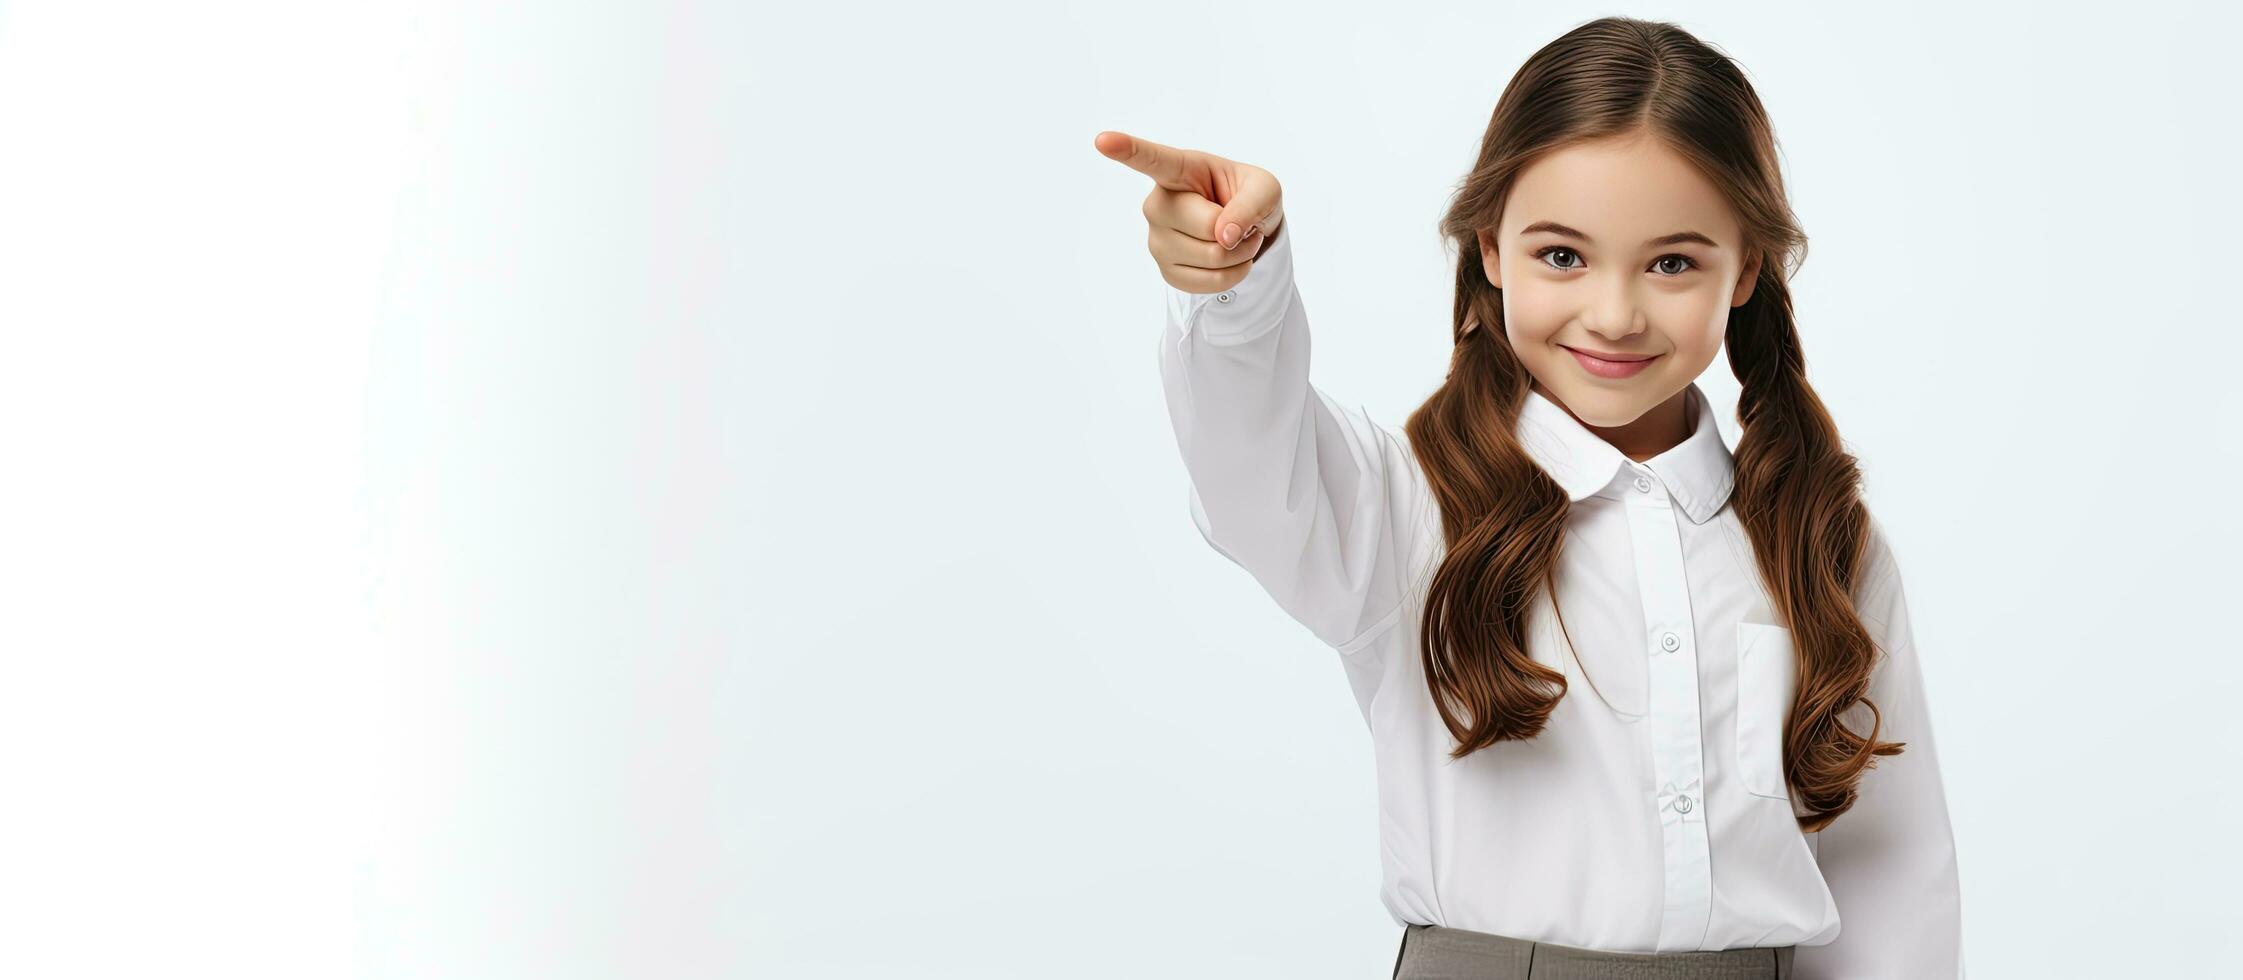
{"x":1309,"y":497}
{"x":1285,"y":481}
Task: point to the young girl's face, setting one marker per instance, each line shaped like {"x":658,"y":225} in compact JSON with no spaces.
{"x":1616,"y":247}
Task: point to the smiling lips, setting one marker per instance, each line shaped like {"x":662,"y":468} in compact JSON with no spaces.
{"x":1611,"y":365}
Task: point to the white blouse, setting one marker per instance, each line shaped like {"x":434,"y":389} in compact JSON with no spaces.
{"x":1652,"y":813}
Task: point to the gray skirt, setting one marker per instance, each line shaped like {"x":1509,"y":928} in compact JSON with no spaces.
{"x":1442,"y":953}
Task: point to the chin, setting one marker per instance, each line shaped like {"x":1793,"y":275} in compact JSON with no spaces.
{"x":1610,"y":419}
{"x":1605,"y":408}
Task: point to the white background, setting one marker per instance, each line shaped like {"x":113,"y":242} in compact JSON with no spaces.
{"x":682,"y":490}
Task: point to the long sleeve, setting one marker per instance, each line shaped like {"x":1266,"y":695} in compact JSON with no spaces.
{"x":1285,"y":482}
{"x":1890,"y":860}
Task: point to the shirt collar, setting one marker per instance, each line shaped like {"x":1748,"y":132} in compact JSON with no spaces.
{"x":1698,"y":471}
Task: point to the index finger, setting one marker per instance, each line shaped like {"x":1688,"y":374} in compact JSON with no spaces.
{"x":1171,"y":167}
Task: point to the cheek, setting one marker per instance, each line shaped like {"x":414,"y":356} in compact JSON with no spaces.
{"x":1696,"y":321}
{"x":1534,"y":316}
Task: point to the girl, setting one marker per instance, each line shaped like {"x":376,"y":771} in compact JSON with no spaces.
{"x":1753,"y":790}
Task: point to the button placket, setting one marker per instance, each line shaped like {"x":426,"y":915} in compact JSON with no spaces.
{"x":1673,"y":717}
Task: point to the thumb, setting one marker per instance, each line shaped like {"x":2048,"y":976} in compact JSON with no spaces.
{"x":1255,"y":202}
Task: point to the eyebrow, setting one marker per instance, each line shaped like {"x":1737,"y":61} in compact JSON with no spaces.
{"x":1674,"y":239}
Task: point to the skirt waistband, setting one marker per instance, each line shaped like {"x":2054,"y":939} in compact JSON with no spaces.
{"x":1440,"y":951}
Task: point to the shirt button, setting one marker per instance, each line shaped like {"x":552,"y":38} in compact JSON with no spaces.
{"x":1669,"y":641}
{"x":1225,"y":296}
{"x":1643,"y":484}
{"x":1684,"y":804}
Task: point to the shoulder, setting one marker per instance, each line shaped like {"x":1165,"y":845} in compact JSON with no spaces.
{"x":1878,"y":559}
{"x":1397,"y":442}
{"x":1877,"y":583}
{"x":1412,"y":491}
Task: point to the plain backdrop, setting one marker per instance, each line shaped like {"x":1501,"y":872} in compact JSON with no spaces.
{"x":659,"y":489}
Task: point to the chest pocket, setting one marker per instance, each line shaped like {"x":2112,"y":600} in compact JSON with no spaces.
{"x":1767,"y":676}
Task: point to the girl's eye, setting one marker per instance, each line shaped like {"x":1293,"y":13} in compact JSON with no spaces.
{"x":1544,"y":254}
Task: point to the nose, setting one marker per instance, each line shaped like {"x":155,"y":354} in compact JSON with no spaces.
{"x":1615,"y":314}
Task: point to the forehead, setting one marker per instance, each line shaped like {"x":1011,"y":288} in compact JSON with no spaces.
{"x":1619,"y":192}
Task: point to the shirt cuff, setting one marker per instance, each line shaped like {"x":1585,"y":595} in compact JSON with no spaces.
{"x":1248,"y":309}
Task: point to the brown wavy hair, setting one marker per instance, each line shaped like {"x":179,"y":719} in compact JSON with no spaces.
{"x":1797,"y":491}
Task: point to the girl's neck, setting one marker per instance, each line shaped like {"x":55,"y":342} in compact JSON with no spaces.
{"x":1661,"y":428}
